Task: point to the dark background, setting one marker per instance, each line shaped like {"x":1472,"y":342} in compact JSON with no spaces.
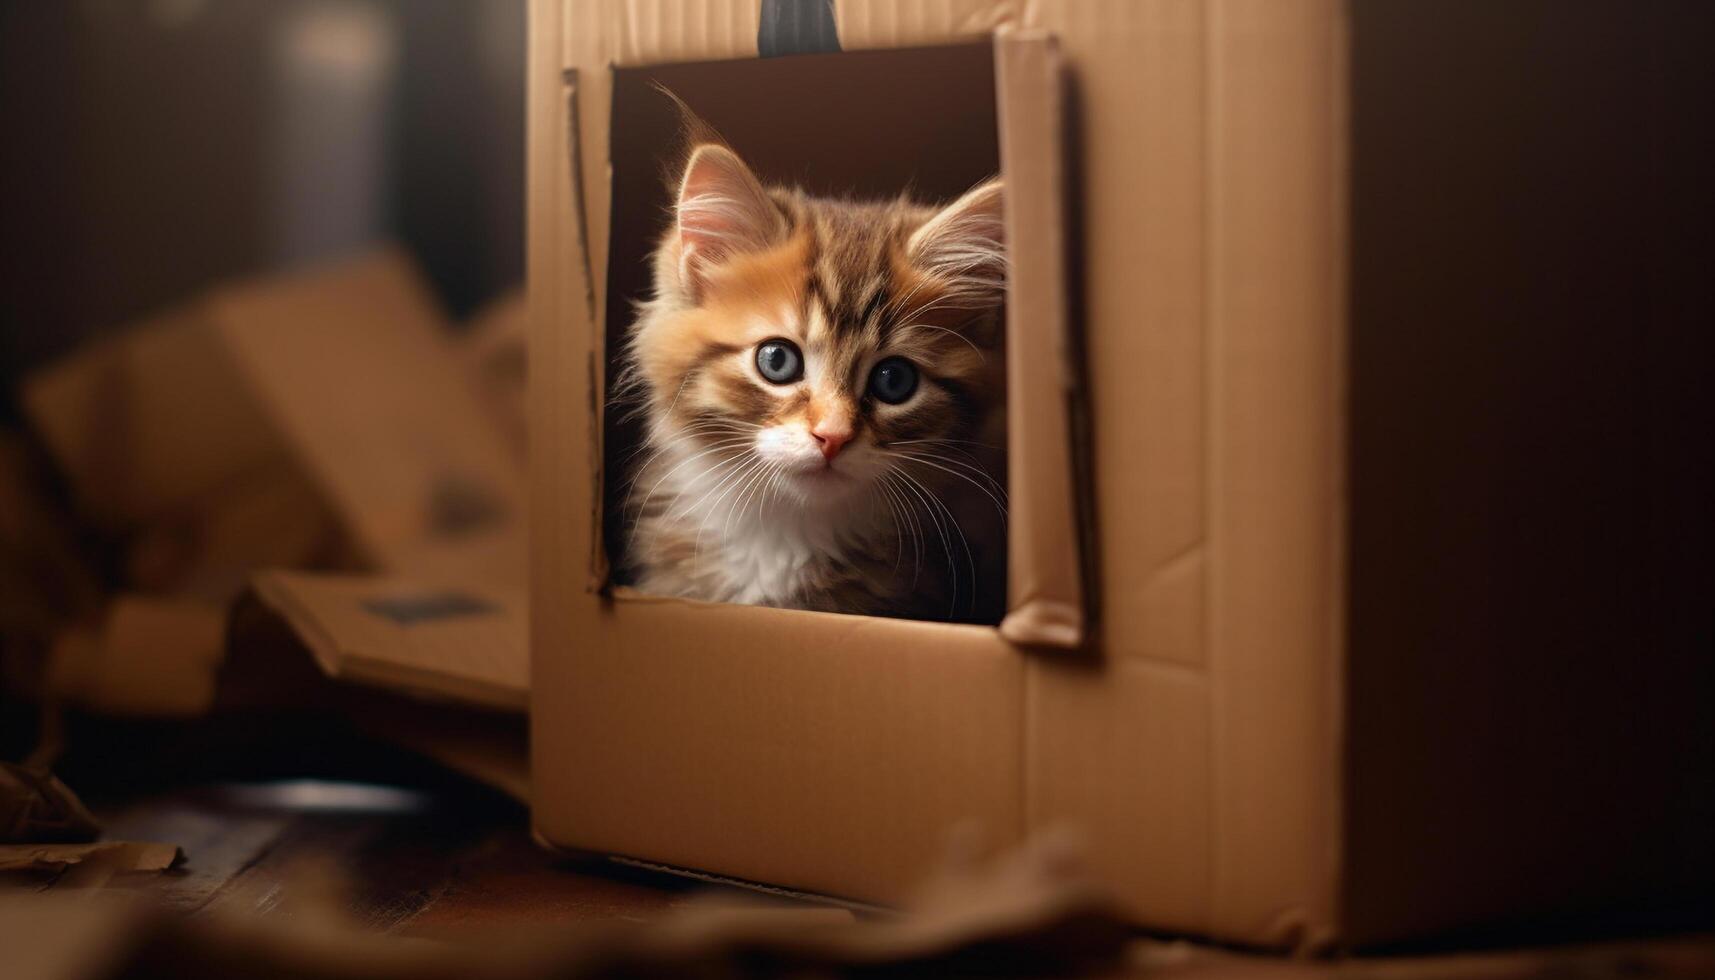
{"x":1532,"y":568}
{"x":153,"y":147}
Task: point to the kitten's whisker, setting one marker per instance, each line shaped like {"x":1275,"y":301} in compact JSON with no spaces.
{"x":732,"y":483}
{"x":942,"y":441}
{"x":659,"y":445}
{"x":720,"y":473}
{"x":742,"y":495}
{"x":998,"y":505}
{"x":970,"y":467}
{"x":772,"y":488}
{"x":675,"y":402}
{"x":883,"y":483}
{"x":943,"y":524}
{"x":892,"y":480}
{"x":735,"y":449}
{"x":942,"y":302}
{"x":939,"y":447}
{"x":717,"y":447}
{"x":898,"y":533}
{"x":742,"y":499}
{"x":719,"y":466}
{"x":970,"y":559}
{"x":733,"y":472}
{"x":916,"y":488}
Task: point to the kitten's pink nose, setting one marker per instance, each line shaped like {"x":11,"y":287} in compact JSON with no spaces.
{"x":831,"y":437}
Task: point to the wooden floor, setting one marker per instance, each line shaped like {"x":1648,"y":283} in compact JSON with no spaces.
{"x":396,"y":860}
{"x":426,"y":855}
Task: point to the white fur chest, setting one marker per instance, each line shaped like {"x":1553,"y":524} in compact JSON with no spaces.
{"x":773,"y":565}
{"x":755,"y":545}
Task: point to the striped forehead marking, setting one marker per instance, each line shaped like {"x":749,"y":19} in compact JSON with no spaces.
{"x":849,"y":269}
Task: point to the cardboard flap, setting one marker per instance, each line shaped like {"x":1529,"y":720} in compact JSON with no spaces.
{"x":1046,"y":575}
{"x":437,"y":640}
{"x":148,"y":419}
{"x":356,"y":368}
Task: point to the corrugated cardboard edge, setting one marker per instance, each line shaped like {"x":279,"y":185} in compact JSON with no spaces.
{"x":1045,"y":623}
{"x":1332,"y":856}
{"x":1277,"y":256}
{"x":1046,"y":607}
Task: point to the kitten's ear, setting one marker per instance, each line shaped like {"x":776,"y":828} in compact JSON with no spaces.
{"x":722,"y":211}
{"x":966,"y":244}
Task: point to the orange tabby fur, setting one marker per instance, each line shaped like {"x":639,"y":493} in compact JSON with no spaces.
{"x":819,"y":493}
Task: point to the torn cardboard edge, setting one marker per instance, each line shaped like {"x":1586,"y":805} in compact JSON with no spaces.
{"x":1047,"y":589}
{"x":1046,"y":524}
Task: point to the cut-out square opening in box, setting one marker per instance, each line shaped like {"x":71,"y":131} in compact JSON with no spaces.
{"x":865,"y":126}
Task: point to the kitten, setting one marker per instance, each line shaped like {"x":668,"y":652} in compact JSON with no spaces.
{"x":823,"y":386}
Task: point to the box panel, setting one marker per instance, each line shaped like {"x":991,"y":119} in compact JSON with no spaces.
{"x":1150,"y":830}
{"x":812,"y":750}
{"x":1276,"y":335}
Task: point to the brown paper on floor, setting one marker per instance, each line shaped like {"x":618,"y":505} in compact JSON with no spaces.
{"x":117,"y":857}
{"x":36,"y":808}
{"x":1037,"y":916}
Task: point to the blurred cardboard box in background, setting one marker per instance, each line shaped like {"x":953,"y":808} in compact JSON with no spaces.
{"x":322,"y":419}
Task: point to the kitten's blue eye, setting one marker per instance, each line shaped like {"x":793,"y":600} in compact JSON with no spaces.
{"x":893,"y":380}
{"x":779,"y":361}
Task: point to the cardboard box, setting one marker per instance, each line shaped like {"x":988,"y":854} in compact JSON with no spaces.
{"x":148,"y":656}
{"x":495,"y":350}
{"x":240,"y":419}
{"x":1273,"y":728}
{"x":321,"y":420}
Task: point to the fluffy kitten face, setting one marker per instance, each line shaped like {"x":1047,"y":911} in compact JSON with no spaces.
{"x":822,"y":382}
{"x":821,"y":338}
